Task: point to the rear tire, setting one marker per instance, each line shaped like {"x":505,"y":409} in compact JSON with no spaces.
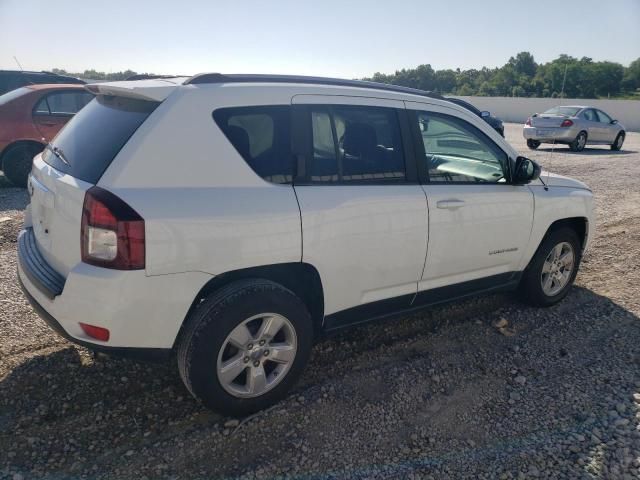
{"x":208,"y":346}
{"x":17,"y":161}
{"x":533,"y":144}
{"x":617,"y":144}
{"x":534,"y":288}
{"x":579,"y":143}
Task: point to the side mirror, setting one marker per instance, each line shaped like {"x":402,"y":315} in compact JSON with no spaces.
{"x":485,"y":114}
{"x":613,"y":122}
{"x":526,"y":171}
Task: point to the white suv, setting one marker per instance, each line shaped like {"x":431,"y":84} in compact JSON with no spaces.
{"x":230,"y":219}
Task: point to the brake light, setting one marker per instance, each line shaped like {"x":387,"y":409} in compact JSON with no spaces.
{"x":566,"y":123}
{"x":111,"y":233}
{"x":528,"y":122}
{"x":98,"y":333}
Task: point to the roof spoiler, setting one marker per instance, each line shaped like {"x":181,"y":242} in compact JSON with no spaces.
{"x":155,"y":90}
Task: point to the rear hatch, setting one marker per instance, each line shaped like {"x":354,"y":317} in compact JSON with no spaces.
{"x":72,"y":163}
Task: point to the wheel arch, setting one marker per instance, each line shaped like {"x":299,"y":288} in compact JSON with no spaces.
{"x":578,"y":224}
{"x":16,"y":143}
{"x":301,"y":278}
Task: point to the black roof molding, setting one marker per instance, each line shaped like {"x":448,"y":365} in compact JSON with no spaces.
{"x":207,"y":78}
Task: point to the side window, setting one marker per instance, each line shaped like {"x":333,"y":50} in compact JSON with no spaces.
{"x":590,"y":115}
{"x":456,"y":151}
{"x":356,"y":144}
{"x":42,"y":107}
{"x":67,"y":103}
{"x":604,"y":118}
{"x":261,"y":135}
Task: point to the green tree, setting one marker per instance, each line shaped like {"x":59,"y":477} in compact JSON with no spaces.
{"x":524,"y":64}
{"x":631,"y":77}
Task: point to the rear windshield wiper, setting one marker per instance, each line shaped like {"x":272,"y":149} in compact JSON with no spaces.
{"x":58,"y":153}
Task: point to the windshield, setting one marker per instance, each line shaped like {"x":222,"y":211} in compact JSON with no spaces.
{"x":86,"y":146}
{"x":13,"y":94}
{"x":567,"y":111}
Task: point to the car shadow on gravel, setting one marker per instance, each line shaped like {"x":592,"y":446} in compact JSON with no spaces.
{"x":12,"y":198}
{"x":444,"y":389}
{"x":587,"y":151}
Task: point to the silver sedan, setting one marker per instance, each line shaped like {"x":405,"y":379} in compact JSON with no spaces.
{"x":576,"y":126}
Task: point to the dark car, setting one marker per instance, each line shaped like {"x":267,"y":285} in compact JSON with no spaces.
{"x":29,"y":118}
{"x":12,"y":79}
{"x":495,"y":122}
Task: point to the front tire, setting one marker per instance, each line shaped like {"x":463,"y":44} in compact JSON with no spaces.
{"x":245,"y":346}
{"x":553,"y":268}
{"x":17,"y":161}
{"x":532,"y":144}
{"x":617,"y":144}
{"x":579,"y":143}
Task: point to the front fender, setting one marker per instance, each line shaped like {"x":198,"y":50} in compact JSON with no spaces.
{"x":558,"y":203}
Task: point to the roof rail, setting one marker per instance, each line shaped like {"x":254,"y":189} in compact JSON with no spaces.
{"x":204,"y":78}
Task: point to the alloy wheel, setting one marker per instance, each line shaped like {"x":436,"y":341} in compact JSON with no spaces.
{"x":557,"y":269}
{"x":256,"y":355}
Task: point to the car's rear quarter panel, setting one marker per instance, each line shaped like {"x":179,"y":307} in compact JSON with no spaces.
{"x":204,"y":208}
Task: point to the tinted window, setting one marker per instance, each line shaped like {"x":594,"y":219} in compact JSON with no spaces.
{"x":353,"y":143}
{"x":10,"y":81}
{"x":456,"y":151}
{"x":324,"y":166}
{"x":604,"y":118}
{"x":261,"y":135}
{"x":589,"y":115}
{"x":93,"y":137}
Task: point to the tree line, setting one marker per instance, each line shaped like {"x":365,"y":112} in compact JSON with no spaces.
{"x":521,"y":76}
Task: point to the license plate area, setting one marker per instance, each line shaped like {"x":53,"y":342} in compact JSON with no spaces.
{"x":544,"y":132}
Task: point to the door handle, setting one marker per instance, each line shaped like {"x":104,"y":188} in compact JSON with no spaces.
{"x":450,"y":204}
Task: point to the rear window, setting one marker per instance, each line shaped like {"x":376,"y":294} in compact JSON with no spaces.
{"x":568,"y":111}
{"x":261,"y":135}
{"x":95,"y":135}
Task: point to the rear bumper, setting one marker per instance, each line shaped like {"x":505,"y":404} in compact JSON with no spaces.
{"x":35,"y":267}
{"x":141,"y":312}
{"x":149,"y":354}
{"x":557,"y":134}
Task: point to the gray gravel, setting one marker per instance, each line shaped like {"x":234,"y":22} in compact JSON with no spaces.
{"x":487,"y":388}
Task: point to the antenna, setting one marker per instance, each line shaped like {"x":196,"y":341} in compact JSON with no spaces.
{"x":21,"y":69}
{"x":553,"y":145}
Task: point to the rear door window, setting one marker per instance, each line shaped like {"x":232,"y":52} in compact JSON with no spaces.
{"x":93,"y":137}
{"x":356,"y":144}
{"x":262,"y":136}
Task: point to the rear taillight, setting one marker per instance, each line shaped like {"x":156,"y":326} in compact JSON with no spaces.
{"x":112,"y":233}
{"x":566,"y":123}
{"x":528,"y":122}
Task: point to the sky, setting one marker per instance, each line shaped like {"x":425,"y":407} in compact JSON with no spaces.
{"x":343,"y":38}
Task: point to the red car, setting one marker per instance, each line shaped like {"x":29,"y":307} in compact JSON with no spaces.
{"x":29,"y":118}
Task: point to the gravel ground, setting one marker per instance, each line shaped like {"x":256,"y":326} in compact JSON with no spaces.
{"x":443,"y":394}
